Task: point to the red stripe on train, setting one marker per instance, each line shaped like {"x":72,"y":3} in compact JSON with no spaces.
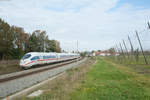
{"x":40,"y":60}
{"x":44,"y":60}
{"x":30,"y":62}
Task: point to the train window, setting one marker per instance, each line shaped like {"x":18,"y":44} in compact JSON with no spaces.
{"x":44,"y":57}
{"x":38,"y":57}
{"x":63,"y":56}
{"x":26,"y":56}
{"x":47,"y":57}
{"x":53,"y":56}
{"x":35,"y":58}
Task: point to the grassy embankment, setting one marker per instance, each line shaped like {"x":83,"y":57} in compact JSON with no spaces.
{"x":9,"y":66}
{"x":104,"y":81}
{"x":109,"y":81}
{"x":139,"y":67}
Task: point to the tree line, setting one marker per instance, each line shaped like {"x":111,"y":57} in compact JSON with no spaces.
{"x":15,"y":42}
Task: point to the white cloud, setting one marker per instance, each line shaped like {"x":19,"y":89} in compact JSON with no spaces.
{"x":90,"y":22}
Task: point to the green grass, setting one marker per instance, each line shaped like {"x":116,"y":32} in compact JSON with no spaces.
{"x":104,"y":80}
{"x":109,"y":82}
{"x":139,"y":67}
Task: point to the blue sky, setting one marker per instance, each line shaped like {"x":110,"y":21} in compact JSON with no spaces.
{"x":95,"y":24}
{"x":137,"y":4}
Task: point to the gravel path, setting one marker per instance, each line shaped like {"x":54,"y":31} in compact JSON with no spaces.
{"x":13,"y":86}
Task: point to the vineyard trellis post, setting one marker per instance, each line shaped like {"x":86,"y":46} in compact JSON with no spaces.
{"x":122,"y":51}
{"x":141,"y":47}
{"x":116,"y":58}
{"x":126,"y":48}
{"x":148,"y":25}
{"x":137,"y":54}
{"x":119,"y":53}
{"x":132,"y":49}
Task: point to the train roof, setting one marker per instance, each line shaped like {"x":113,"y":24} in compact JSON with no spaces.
{"x":46,"y":53}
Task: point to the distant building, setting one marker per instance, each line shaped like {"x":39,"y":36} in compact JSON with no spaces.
{"x":93,"y":54}
{"x":103,"y":53}
{"x":90,"y":54}
{"x":116,"y":54}
{"x":106,"y":53}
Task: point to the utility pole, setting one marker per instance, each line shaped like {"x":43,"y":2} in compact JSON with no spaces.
{"x":141,"y":47}
{"x":44,"y":45}
{"x":56,"y":43}
{"x":77,"y":49}
{"x":77,"y":46}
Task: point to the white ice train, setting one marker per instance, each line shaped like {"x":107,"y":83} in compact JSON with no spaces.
{"x":36,"y":58}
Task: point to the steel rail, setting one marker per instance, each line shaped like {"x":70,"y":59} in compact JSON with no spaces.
{"x":38,"y":71}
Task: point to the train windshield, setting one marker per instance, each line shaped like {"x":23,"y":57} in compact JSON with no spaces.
{"x":26,"y":56}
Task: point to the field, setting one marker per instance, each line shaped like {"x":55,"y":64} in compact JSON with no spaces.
{"x":104,"y":80}
{"x":138,"y":66}
{"x":109,"y":81}
{"x":130,"y":60}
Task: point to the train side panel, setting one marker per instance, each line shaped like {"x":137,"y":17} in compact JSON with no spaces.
{"x":35,"y":58}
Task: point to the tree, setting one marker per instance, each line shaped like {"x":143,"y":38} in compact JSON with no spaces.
{"x":20,"y":40}
{"x":111,"y":51}
{"x":53,"y":46}
{"x":15,"y":42}
{"x":92,"y":51}
{"x":83,"y":54}
{"x":37,"y":41}
{"x":6,"y":38}
{"x":58,"y":48}
{"x":99,"y":50}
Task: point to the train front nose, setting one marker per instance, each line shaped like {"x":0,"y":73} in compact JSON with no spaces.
{"x":21,"y":63}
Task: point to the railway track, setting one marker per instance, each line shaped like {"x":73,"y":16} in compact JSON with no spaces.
{"x":36,"y":70}
{"x":15,"y":82}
